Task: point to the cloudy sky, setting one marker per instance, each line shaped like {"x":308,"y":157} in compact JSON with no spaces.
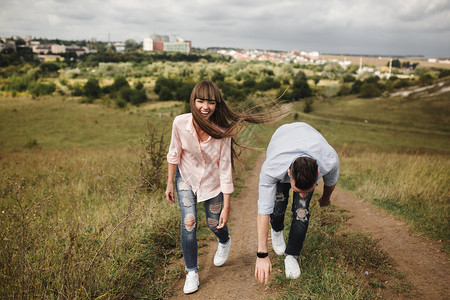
{"x":373,"y":27}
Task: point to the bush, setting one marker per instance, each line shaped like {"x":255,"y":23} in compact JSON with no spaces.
{"x":249,"y":83}
{"x":119,"y":82}
{"x":231,"y":92}
{"x":370,"y":90}
{"x":152,"y":160}
{"x":300,"y":90}
{"x":49,"y":68}
{"x":39,"y":89}
{"x":165,"y":93}
{"x":426,"y":79}
{"x":120,"y":103}
{"x":137,"y":97}
{"x":356,"y":87}
{"x":91,"y":88}
{"x":268,"y":83}
{"x":349,"y":78}
{"x":308,"y":105}
{"x":344,"y":90}
{"x":217,"y":77}
{"x":183,"y":92}
{"x":162,"y":81}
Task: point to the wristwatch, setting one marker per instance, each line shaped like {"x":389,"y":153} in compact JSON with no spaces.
{"x":262,"y":254}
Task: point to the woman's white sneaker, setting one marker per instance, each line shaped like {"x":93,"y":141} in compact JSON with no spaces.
{"x":222,"y":253}
{"x":291,"y":267}
{"x":278,"y":243}
{"x":191,"y":284}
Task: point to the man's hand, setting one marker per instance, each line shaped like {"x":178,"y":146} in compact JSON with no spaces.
{"x":263,"y":269}
{"x":324,"y":201}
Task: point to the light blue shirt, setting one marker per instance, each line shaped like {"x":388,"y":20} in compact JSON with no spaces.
{"x":289,"y":142}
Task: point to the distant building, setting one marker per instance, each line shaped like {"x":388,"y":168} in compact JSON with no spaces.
{"x":55,"y":48}
{"x":120,"y":47}
{"x":161,"y":43}
{"x":177,"y":47}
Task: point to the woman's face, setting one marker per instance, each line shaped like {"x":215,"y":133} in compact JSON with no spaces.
{"x":205,"y":107}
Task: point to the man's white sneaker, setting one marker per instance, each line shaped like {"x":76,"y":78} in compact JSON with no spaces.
{"x":191,"y":284}
{"x":291,"y":267}
{"x":278,"y":244}
{"x":222,"y":253}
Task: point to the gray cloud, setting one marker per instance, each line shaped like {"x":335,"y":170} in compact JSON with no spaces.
{"x":389,"y":27}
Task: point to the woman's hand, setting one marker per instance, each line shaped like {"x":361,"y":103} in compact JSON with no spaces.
{"x":223,"y":218}
{"x":169,"y":193}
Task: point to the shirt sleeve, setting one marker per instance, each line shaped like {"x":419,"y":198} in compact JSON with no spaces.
{"x":332,"y":176}
{"x":267,"y":193}
{"x":225,"y":167}
{"x":173,"y":157}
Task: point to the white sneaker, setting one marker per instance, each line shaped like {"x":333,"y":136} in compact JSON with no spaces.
{"x":291,"y":267}
{"x":278,"y":244}
{"x":191,"y":284}
{"x":222,"y":253}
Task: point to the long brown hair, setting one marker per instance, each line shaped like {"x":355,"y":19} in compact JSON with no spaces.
{"x":224,"y":122}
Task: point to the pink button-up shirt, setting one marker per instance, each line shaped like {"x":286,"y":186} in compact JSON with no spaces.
{"x":205,"y":166}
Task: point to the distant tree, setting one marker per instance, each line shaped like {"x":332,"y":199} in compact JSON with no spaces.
{"x":162,"y":81}
{"x":268,"y":83}
{"x":316,"y":79}
{"x":132,"y":45}
{"x":91,"y":88}
{"x":349,"y":78}
{"x":300,"y":76}
{"x":300,"y":89}
{"x":165,"y":93}
{"x":249,"y":83}
{"x":426,"y":79}
{"x":48,"y":68}
{"x":217,"y":76}
{"x":356,"y":87}
{"x":370,"y":90}
{"x":119,"y":82}
{"x":395,"y":63}
{"x":38,"y":89}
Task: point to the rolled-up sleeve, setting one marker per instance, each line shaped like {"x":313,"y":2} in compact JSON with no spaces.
{"x":267,"y":193}
{"x":225,"y":167}
{"x":173,"y":157}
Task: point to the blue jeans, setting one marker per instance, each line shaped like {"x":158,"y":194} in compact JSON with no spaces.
{"x":187,"y":201}
{"x":300,"y":217}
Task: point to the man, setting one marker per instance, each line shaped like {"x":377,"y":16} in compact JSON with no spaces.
{"x":297,"y":157}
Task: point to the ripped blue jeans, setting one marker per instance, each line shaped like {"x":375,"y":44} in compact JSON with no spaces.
{"x":187,"y":201}
{"x":300,"y":217}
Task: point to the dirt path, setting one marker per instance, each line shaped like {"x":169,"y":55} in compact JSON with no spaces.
{"x":235,"y":279}
{"x":420,"y":259}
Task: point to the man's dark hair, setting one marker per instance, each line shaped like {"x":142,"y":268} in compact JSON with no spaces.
{"x":304,"y":172}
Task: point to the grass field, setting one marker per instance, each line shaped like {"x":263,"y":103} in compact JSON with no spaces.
{"x":80,"y":219}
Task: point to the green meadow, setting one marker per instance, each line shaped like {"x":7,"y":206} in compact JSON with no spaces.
{"x":83,"y":213}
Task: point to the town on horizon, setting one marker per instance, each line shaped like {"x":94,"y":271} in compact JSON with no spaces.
{"x":50,"y":48}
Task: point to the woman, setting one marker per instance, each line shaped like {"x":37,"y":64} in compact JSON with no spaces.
{"x":200,"y":160}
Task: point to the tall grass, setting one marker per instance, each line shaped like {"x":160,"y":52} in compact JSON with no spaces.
{"x":75,"y":226}
{"x":75,"y":220}
{"x":416,"y":187}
